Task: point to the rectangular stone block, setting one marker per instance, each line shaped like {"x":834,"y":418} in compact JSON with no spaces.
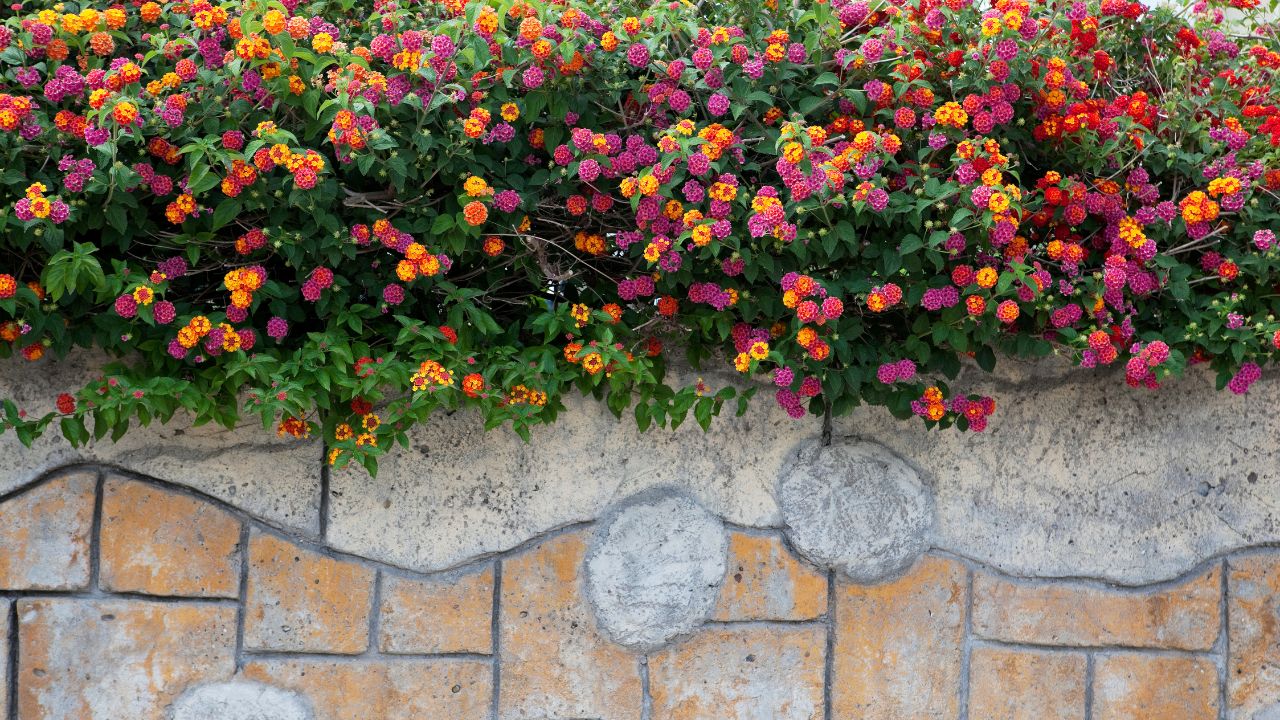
{"x":899,"y":645}
{"x":1017,"y":684}
{"x":766,"y":582}
{"x":1185,"y":617}
{"x":1129,"y":686}
{"x":754,"y":672}
{"x":555,"y":662}
{"x":407,"y":689}
{"x":159,"y":542}
{"x":1253,"y":635}
{"x":115,"y":659}
{"x":44,"y":535}
{"x":301,"y":601}
{"x":453,"y":614}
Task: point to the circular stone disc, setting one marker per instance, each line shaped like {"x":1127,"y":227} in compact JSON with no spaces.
{"x":239,"y":700}
{"x":655,"y":569}
{"x":857,"y":508}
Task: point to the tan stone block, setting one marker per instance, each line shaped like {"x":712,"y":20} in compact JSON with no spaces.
{"x":301,"y":601}
{"x":1132,"y":686}
{"x":1016,"y":684}
{"x":160,"y":542}
{"x":406,"y":689}
{"x":438,"y":615}
{"x":898,"y":648}
{"x":555,"y":663}
{"x":86,"y":659}
{"x":1185,"y":617}
{"x":750,"y":672}
{"x":766,"y":582}
{"x":44,"y":535}
{"x":1253,"y":634}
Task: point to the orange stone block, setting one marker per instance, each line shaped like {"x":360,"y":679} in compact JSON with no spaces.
{"x":555,"y":663}
{"x":301,"y":601}
{"x":115,"y":659}
{"x":766,"y":582}
{"x":408,"y":689}
{"x":441,"y":615}
{"x":750,"y":672}
{"x":898,"y":648}
{"x":1186,"y":617}
{"x":160,"y":542}
{"x":1253,"y":668}
{"x":1130,"y":686}
{"x":1015,"y":684}
{"x":44,"y":535}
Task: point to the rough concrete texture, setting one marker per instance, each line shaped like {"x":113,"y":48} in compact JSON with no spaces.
{"x":1078,"y":475}
{"x":239,"y":700}
{"x":460,"y":492}
{"x":273,"y":478}
{"x":655,"y":570}
{"x":857,"y":508}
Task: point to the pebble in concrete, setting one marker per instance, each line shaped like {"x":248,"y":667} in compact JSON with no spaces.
{"x":856,"y":507}
{"x":655,"y":569}
{"x":239,"y":700}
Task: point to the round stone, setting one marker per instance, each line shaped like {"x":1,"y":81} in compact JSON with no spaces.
{"x":239,"y":700}
{"x":856,"y":507}
{"x":655,"y":568}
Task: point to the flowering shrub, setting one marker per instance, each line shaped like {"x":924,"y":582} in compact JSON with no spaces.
{"x":344,"y":218}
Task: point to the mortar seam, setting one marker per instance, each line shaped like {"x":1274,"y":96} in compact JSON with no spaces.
{"x":495,"y":640}
{"x":1089,"y":673}
{"x":95,"y":534}
{"x":374,"y":647}
{"x":1224,"y":639}
{"x":828,"y":670}
{"x":243,"y":600}
{"x":966,"y":647}
{"x":11,"y":691}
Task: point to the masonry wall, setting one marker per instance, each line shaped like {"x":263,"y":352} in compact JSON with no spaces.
{"x":1099,"y":553}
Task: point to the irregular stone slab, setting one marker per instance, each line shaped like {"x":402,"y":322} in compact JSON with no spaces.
{"x":1186,"y":617}
{"x":1012,"y":683}
{"x":44,"y":535}
{"x":899,"y":646}
{"x":555,"y":661}
{"x":459,"y":493}
{"x":446,"y":614}
{"x":1129,"y":686}
{"x":406,"y":689}
{"x":301,"y":601}
{"x":857,"y":508}
{"x":1083,"y":476}
{"x":159,"y":542}
{"x":765,"y":581}
{"x":239,"y":700}
{"x":755,"y":673}
{"x":655,"y":569}
{"x":274,"y":478}
{"x":1253,"y":634}
{"x":111,"y":659}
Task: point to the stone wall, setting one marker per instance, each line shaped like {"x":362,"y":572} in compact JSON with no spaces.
{"x":1100,"y":552}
